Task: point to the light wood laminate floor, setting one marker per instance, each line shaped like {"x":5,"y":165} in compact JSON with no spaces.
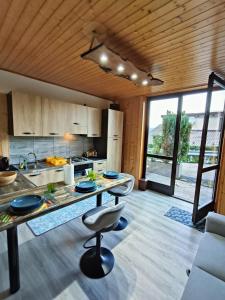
{"x":151,"y":257}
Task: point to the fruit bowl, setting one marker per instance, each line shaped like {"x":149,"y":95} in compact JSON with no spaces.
{"x":7,"y":177}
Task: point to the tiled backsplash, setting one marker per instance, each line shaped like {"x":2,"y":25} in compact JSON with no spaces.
{"x":48,"y":146}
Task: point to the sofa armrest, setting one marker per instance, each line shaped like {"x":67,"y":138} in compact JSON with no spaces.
{"x":215,"y":223}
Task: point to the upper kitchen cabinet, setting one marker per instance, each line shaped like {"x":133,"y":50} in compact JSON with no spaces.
{"x":94,"y":122}
{"x":25,"y":114}
{"x":115,"y":123}
{"x":76,"y":118}
{"x":54,"y":117}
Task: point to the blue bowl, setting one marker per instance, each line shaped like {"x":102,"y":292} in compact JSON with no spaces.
{"x":26,"y":203}
{"x":86,"y":185}
{"x":86,"y":191}
{"x":111,"y":174}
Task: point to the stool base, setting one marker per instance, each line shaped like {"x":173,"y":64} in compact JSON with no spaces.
{"x":94,"y":266}
{"x":122,"y":224}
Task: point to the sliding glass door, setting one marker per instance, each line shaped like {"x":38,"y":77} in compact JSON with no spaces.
{"x":210,"y":151}
{"x":184,"y":134}
{"x":162,"y":144}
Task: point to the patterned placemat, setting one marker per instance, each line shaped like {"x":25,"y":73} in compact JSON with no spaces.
{"x":59,"y":217}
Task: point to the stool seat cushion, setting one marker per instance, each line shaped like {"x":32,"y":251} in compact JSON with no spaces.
{"x":103,"y":217}
{"x":92,"y":212}
{"x":118,"y":191}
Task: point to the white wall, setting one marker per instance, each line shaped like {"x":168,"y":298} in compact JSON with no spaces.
{"x":10,"y":81}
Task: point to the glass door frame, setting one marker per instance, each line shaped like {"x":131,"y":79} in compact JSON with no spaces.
{"x":156,"y":186}
{"x":200,"y":212}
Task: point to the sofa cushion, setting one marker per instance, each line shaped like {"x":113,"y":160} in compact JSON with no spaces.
{"x":203,"y":286}
{"x":211,"y":255}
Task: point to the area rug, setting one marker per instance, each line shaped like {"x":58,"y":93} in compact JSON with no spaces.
{"x":56,"y":218}
{"x":184,"y":217}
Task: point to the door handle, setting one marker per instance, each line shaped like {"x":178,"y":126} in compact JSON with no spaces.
{"x":53,"y":133}
{"x":28,"y":132}
{"x":76,"y":123}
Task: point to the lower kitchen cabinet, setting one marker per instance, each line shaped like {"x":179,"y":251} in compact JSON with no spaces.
{"x":40,"y":178}
{"x":114,"y":153}
{"x":99,"y":166}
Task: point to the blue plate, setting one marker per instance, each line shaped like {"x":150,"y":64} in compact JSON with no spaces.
{"x":111,"y":174}
{"x":86,"y":185}
{"x":86,"y":191}
{"x":27,"y":202}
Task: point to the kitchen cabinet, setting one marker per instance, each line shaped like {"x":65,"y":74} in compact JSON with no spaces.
{"x":99,"y":166}
{"x":43,"y":177}
{"x":25,"y":114}
{"x":54,"y":117}
{"x":94,"y":122}
{"x":76,"y":120}
{"x":115,"y":123}
{"x":114,"y":153}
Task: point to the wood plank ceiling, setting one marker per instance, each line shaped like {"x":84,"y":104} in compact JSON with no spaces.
{"x":179,"y":41}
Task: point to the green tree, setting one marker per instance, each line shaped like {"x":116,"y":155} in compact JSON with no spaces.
{"x":184,"y":141}
{"x":165,"y":143}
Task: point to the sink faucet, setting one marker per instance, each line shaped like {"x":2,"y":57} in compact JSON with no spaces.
{"x":35,"y":158}
{"x":23,"y":162}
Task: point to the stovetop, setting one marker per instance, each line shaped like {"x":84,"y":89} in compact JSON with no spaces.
{"x":79,"y":159}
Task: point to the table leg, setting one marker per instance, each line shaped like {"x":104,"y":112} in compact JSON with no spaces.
{"x":99,"y":200}
{"x":13,"y":259}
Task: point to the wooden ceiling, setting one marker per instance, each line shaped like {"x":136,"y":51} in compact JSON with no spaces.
{"x":179,"y":41}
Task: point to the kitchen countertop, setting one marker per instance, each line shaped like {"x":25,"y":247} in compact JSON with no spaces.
{"x":20,"y":184}
{"x":64,"y":196}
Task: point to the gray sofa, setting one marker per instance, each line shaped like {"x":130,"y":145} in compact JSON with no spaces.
{"x":207,"y":276}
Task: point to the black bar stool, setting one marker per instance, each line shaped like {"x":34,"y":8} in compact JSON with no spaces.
{"x":121,"y":191}
{"x":98,"y":261}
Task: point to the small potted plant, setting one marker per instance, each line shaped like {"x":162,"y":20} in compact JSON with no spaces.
{"x":92,"y":175}
{"x":51,"y":189}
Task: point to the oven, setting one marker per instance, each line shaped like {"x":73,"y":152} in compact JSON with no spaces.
{"x":82,"y":169}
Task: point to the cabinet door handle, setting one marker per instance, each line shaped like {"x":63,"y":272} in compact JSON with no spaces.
{"x":33,"y":175}
{"x":59,"y":170}
{"x":53,"y":133}
{"x":94,"y":134}
{"x":100,"y":163}
{"x":76,"y":123}
{"x":115,"y":135}
{"x":115,"y":139}
{"x":100,"y":170}
{"x":27,"y":132}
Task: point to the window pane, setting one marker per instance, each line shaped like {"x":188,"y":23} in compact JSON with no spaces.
{"x":214,"y":128}
{"x":159,"y":170}
{"x":189,"y":145}
{"x":162,"y":124}
{"x":207,"y":185}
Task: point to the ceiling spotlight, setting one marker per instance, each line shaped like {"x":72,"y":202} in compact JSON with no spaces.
{"x":144,"y":82}
{"x":120,"y":69}
{"x":134,"y":76}
{"x":103,"y":58}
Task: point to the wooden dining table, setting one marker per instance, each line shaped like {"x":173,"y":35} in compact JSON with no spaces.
{"x":65,"y":195}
